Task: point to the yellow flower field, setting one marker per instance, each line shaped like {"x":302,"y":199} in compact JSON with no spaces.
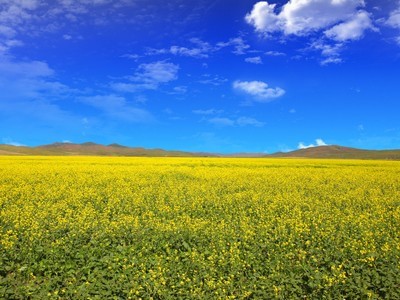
{"x":198,"y":228}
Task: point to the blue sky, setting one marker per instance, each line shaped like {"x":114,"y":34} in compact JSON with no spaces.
{"x":221,"y":76}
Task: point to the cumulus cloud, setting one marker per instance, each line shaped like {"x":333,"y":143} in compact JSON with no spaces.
{"x":318,"y":142}
{"x":353,"y":29}
{"x":394,"y":21}
{"x":337,"y":21}
{"x":259,"y":90}
{"x":263,"y":17}
{"x":394,"y":18}
{"x":300,"y":17}
{"x":254,"y":60}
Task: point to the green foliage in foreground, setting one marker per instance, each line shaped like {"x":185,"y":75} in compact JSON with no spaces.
{"x":195,"y":228}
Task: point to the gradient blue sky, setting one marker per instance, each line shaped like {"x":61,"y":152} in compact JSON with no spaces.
{"x":222,"y":76}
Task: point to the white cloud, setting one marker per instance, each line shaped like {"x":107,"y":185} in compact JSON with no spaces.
{"x":331,"y":60}
{"x":263,"y":17}
{"x":239,"y":45}
{"x":222,"y":121}
{"x":118,"y":107}
{"x":7,"y":31}
{"x":394,"y":18}
{"x":241,"y":121}
{"x":300,"y":17}
{"x":25,"y":69}
{"x":394,"y":21}
{"x":333,"y":20}
{"x":318,"y":142}
{"x":30,"y":80}
{"x":131,"y":56}
{"x":201,"y":49}
{"x":246,"y":121}
{"x":327,"y":50}
{"x":254,"y":60}
{"x":212,"y":79}
{"x":7,"y":44}
{"x":180,"y":89}
{"x":157,"y":72}
{"x":353,"y":29}
{"x":303,"y":146}
{"x":330,"y":52}
{"x":258,"y":89}
{"x":275,"y":53}
{"x":8,"y":141}
{"x":148,"y":76}
{"x":210,"y":111}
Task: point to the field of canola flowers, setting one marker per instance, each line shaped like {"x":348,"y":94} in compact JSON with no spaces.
{"x":198,"y":228}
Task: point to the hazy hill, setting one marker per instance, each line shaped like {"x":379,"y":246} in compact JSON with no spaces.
{"x":335,"y":151}
{"x":90,"y":148}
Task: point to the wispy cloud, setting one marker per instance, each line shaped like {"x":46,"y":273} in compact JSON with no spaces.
{"x":240,"y":47}
{"x":259,"y":90}
{"x":148,"y":76}
{"x":131,"y":56}
{"x":246,"y":121}
{"x":215,"y":80}
{"x":11,"y":142}
{"x":240,"y":121}
{"x":118,"y":107}
{"x":211,"y":111}
{"x":30,"y":80}
{"x":330,"y":52}
{"x":200,"y":49}
{"x":275,"y":53}
{"x":222,"y":121}
{"x":254,"y":60}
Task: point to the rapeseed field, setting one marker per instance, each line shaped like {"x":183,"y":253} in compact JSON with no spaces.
{"x":198,"y":228}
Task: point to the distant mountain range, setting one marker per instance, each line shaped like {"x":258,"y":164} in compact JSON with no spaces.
{"x":89,"y":148}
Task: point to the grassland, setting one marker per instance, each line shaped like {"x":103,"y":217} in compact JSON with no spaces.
{"x":198,"y":228}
